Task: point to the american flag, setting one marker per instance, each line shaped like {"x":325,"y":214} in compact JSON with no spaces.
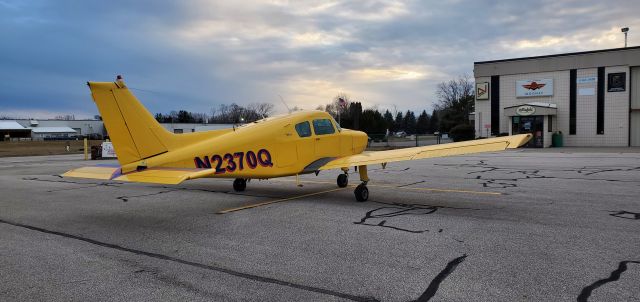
{"x":342,"y":102}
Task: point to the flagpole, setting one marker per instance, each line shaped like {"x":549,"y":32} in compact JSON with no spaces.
{"x":339,"y":108}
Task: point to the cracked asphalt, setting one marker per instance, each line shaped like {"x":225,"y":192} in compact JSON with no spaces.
{"x":523,"y":225}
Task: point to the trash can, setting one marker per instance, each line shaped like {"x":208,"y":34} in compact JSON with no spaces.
{"x":96,"y":152}
{"x":556,"y":139}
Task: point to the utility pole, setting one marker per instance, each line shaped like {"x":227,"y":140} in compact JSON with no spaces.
{"x":625,"y":30}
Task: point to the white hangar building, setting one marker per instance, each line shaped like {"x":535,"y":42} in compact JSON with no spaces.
{"x":592,"y":97}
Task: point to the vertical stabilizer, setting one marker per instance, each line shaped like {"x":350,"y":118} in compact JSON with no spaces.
{"x":136,"y":135}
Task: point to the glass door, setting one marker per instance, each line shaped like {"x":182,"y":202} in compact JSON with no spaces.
{"x":529,"y":124}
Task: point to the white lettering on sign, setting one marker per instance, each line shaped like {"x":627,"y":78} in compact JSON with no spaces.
{"x":586,"y":80}
{"x":525,"y":110}
{"x":536,"y":87}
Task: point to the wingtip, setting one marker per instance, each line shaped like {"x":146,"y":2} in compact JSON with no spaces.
{"x":520,"y":140}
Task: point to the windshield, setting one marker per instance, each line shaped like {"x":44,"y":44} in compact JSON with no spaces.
{"x":337,"y":125}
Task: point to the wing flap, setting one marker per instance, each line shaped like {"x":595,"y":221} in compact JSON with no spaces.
{"x":474,"y":146}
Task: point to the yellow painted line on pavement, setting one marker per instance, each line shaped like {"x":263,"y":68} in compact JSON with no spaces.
{"x":255,"y":205}
{"x":398,"y":186}
{"x":437,"y":190}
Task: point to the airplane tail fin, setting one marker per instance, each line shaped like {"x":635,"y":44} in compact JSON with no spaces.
{"x":135,"y":133}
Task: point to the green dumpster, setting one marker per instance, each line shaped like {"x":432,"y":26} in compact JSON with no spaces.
{"x":556,"y":139}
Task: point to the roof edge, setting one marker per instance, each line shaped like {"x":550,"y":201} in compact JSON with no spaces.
{"x":558,"y":55}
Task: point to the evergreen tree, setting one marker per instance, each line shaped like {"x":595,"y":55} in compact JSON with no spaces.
{"x":422,"y":125}
{"x":388,"y":118}
{"x":355,"y":115}
{"x":399,"y":122}
{"x":434,"y":122}
{"x":373,"y":123}
{"x":184,"y":117}
{"x":409,"y":122}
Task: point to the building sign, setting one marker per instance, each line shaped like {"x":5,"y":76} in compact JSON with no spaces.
{"x":108,"y":151}
{"x":525,"y":110}
{"x":537,"y":87}
{"x":616,"y":82}
{"x":586,"y":80}
{"x":587,"y":91}
{"x":482,"y":91}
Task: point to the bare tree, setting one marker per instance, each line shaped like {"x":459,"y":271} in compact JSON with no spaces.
{"x":451,"y":92}
{"x":235,"y":113}
{"x":256,"y":111}
{"x":455,"y":102}
{"x":336,"y":105}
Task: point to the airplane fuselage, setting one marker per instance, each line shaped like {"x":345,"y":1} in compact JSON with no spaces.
{"x":273,"y":147}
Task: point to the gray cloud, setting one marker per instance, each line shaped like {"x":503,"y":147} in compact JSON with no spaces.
{"x":196,"y":54}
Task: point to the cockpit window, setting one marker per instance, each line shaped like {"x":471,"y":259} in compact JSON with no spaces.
{"x":323,"y":126}
{"x":303,"y":129}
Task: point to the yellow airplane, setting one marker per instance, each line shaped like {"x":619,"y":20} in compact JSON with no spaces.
{"x":297,"y":143}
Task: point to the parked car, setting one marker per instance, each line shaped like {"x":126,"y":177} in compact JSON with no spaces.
{"x":400,"y":134}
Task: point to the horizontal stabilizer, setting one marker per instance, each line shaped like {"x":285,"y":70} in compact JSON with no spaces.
{"x":169,"y":176}
{"x":166,"y":176}
{"x":95,"y":172}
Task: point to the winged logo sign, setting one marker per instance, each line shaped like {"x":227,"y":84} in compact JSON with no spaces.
{"x":536,"y":87}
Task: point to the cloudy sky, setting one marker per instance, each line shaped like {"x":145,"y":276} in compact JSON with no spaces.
{"x":197,"y":54}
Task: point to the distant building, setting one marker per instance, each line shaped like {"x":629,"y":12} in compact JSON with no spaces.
{"x":50,"y":129}
{"x":13,"y":130}
{"x":82,"y":128}
{"x":186,"y":128}
{"x":592,"y":97}
{"x":45,"y":133}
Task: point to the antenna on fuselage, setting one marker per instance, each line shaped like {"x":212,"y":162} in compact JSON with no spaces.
{"x":285,"y":104}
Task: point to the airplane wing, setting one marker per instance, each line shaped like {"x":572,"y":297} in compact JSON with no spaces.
{"x":474,"y":146}
{"x":169,"y":176}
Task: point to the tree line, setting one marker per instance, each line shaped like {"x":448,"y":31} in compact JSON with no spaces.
{"x":455,"y":103}
{"x":223,"y":114}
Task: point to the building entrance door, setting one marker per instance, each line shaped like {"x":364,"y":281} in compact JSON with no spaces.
{"x":529,"y":124}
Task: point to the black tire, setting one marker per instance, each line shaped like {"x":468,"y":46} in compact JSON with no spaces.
{"x":343,"y":180}
{"x":239,"y":184}
{"x":362,"y":193}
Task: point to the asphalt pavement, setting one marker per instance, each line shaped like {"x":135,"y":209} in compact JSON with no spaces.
{"x":522,"y":225}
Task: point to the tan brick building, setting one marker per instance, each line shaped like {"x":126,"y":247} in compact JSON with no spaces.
{"x":592,"y":97}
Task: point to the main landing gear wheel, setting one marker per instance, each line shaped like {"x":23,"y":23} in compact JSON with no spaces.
{"x":239,"y":184}
{"x":361,"y":192}
{"x":343,"y":180}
